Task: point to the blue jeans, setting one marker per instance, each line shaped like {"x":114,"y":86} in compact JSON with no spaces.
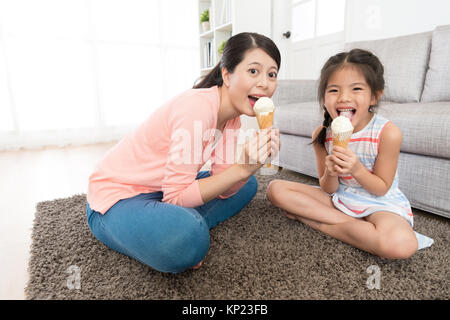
{"x":166,"y":237}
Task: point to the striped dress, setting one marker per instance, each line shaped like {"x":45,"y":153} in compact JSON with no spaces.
{"x":351,"y":198}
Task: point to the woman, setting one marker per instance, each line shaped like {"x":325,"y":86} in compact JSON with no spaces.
{"x":147,"y":198}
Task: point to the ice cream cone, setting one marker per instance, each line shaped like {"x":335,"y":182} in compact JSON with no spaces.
{"x":341,"y":130}
{"x":265,"y":119}
{"x":342,"y":139}
{"x":264,"y":110}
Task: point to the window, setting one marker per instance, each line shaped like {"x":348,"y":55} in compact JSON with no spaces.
{"x":315,"y":18}
{"x":70,"y":64}
{"x":330,"y":16}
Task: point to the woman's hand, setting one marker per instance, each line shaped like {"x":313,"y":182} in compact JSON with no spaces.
{"x":275,"y":143}
{"x":345,"y":160}
{"x":257,"y":150}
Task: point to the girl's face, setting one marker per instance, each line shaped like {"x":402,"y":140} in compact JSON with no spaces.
{"x":253,"y":78}
{"x":348,"y":94}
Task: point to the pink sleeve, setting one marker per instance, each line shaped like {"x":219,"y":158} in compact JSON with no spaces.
{"x":179,"y":183}
{"x":224,"y":155}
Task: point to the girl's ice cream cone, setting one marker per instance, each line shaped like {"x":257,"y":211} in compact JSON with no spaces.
{"x":342,"y":139}
{"x":341,"y":129}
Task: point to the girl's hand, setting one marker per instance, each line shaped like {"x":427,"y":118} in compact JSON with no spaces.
{"x":345,"y":160}
{"x":256,"y":151}
{"x":331,"y":166}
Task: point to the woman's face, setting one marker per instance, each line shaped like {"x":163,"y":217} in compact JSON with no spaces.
{"x":253,"y":78}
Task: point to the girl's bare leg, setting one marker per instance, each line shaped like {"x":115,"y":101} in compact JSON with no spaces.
{"x":382,"y":233}
{"x":305,"y":201}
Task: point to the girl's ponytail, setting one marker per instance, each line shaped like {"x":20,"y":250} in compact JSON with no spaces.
{"x":322,"y":136}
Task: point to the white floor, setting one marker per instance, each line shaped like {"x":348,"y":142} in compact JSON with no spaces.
{"x":26,"y":178}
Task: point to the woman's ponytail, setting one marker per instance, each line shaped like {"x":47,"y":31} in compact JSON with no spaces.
{"x":213,"y":78}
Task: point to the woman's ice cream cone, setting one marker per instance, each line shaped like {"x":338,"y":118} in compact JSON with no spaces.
{"x":264,"y":110}
{"x":265,"y":119}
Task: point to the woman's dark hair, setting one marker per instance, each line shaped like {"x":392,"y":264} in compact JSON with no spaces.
{"x":233,"y":54}
{"x":364,"y":61}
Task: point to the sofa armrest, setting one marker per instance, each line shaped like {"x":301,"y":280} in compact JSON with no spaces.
{"x":291,"y":91}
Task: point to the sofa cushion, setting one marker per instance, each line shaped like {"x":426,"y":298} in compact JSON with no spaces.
{"x":405,"y":61}
{"x":437,"y":82}
{"x":298,"y":118}
{"x":295,"y":90}
{"x":424,"y":126}
{"x":301,"y":118}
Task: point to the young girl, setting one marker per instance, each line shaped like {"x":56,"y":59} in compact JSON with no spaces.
{"x":359,"y":201}
{"x":147,"y":198}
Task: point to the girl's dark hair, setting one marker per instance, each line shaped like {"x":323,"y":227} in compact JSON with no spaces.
{"x":233,"y":54}
{"x":369,"y":66}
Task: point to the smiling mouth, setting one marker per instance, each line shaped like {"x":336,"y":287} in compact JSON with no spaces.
{"x":346,"y":112}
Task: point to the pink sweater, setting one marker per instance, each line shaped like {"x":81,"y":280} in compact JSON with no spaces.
{"x":166,"y":152}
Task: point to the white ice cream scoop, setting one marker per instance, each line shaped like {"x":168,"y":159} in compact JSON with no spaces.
{"x":341,"y":124}
{"x":264,"y":104}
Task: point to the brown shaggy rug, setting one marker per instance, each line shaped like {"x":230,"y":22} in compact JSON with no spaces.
{"x":257,"y":254}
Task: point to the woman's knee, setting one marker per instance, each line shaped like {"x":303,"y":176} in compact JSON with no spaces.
{"x":252,"y":186}
{"x":186,"y":246}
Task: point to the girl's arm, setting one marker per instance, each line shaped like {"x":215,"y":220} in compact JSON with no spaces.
{"x":379,"y":182}
{"x":328,"y":177}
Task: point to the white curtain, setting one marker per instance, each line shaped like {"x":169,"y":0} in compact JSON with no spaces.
{"x":84,"y":71}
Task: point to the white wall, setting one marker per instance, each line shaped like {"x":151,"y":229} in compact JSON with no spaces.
{"x":364,"y":20}
{"x":378,"y":19}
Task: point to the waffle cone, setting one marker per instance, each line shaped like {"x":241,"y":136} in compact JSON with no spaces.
{"x":342,"y":138}
{"x":265,"y":120}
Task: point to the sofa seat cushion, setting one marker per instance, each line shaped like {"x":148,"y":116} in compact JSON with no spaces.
{"x":437,"y":83}
{"x":405,"y":61}
{"x":425,"y":126}
{"x":299,"y":119}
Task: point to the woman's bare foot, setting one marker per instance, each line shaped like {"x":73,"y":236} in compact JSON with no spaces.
{"x":198,"y":265}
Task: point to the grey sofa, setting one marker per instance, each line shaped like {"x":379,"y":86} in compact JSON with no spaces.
{"x":416,"y":99}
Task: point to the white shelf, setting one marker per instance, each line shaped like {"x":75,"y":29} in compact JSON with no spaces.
{"x":227,"y":18}
{"x":206,"y":69}
{"x":208,"y":34}
{"x":225,"y":27}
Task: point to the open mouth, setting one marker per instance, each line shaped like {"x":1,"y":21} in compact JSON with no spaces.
{"x":346,"y":112}
{"x":253,"y":99}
